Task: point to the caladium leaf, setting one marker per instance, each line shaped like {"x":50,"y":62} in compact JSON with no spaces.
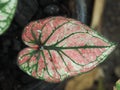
{"x":7,"y":10}
{"x":61,"y":47}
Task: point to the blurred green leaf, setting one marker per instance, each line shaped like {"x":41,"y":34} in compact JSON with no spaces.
{"x":118,"y":85}
{"x":7,"y":10}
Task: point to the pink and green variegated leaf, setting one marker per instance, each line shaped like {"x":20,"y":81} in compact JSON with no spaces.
{"x":7,"y":10}
{"x":61,"y":47}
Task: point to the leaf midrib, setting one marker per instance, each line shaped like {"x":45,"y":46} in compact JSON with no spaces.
{"x":75,"y":47}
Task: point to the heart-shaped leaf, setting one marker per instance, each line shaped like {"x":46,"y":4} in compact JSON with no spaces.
{"x":61,"y":47}
{"x":7,"y":10}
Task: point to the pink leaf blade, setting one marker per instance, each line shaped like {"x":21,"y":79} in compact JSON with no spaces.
{"x":64,"y":47}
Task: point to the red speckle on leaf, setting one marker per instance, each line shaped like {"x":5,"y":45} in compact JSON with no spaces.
{"x":34,"y":74}
{"x":24,"y":56}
